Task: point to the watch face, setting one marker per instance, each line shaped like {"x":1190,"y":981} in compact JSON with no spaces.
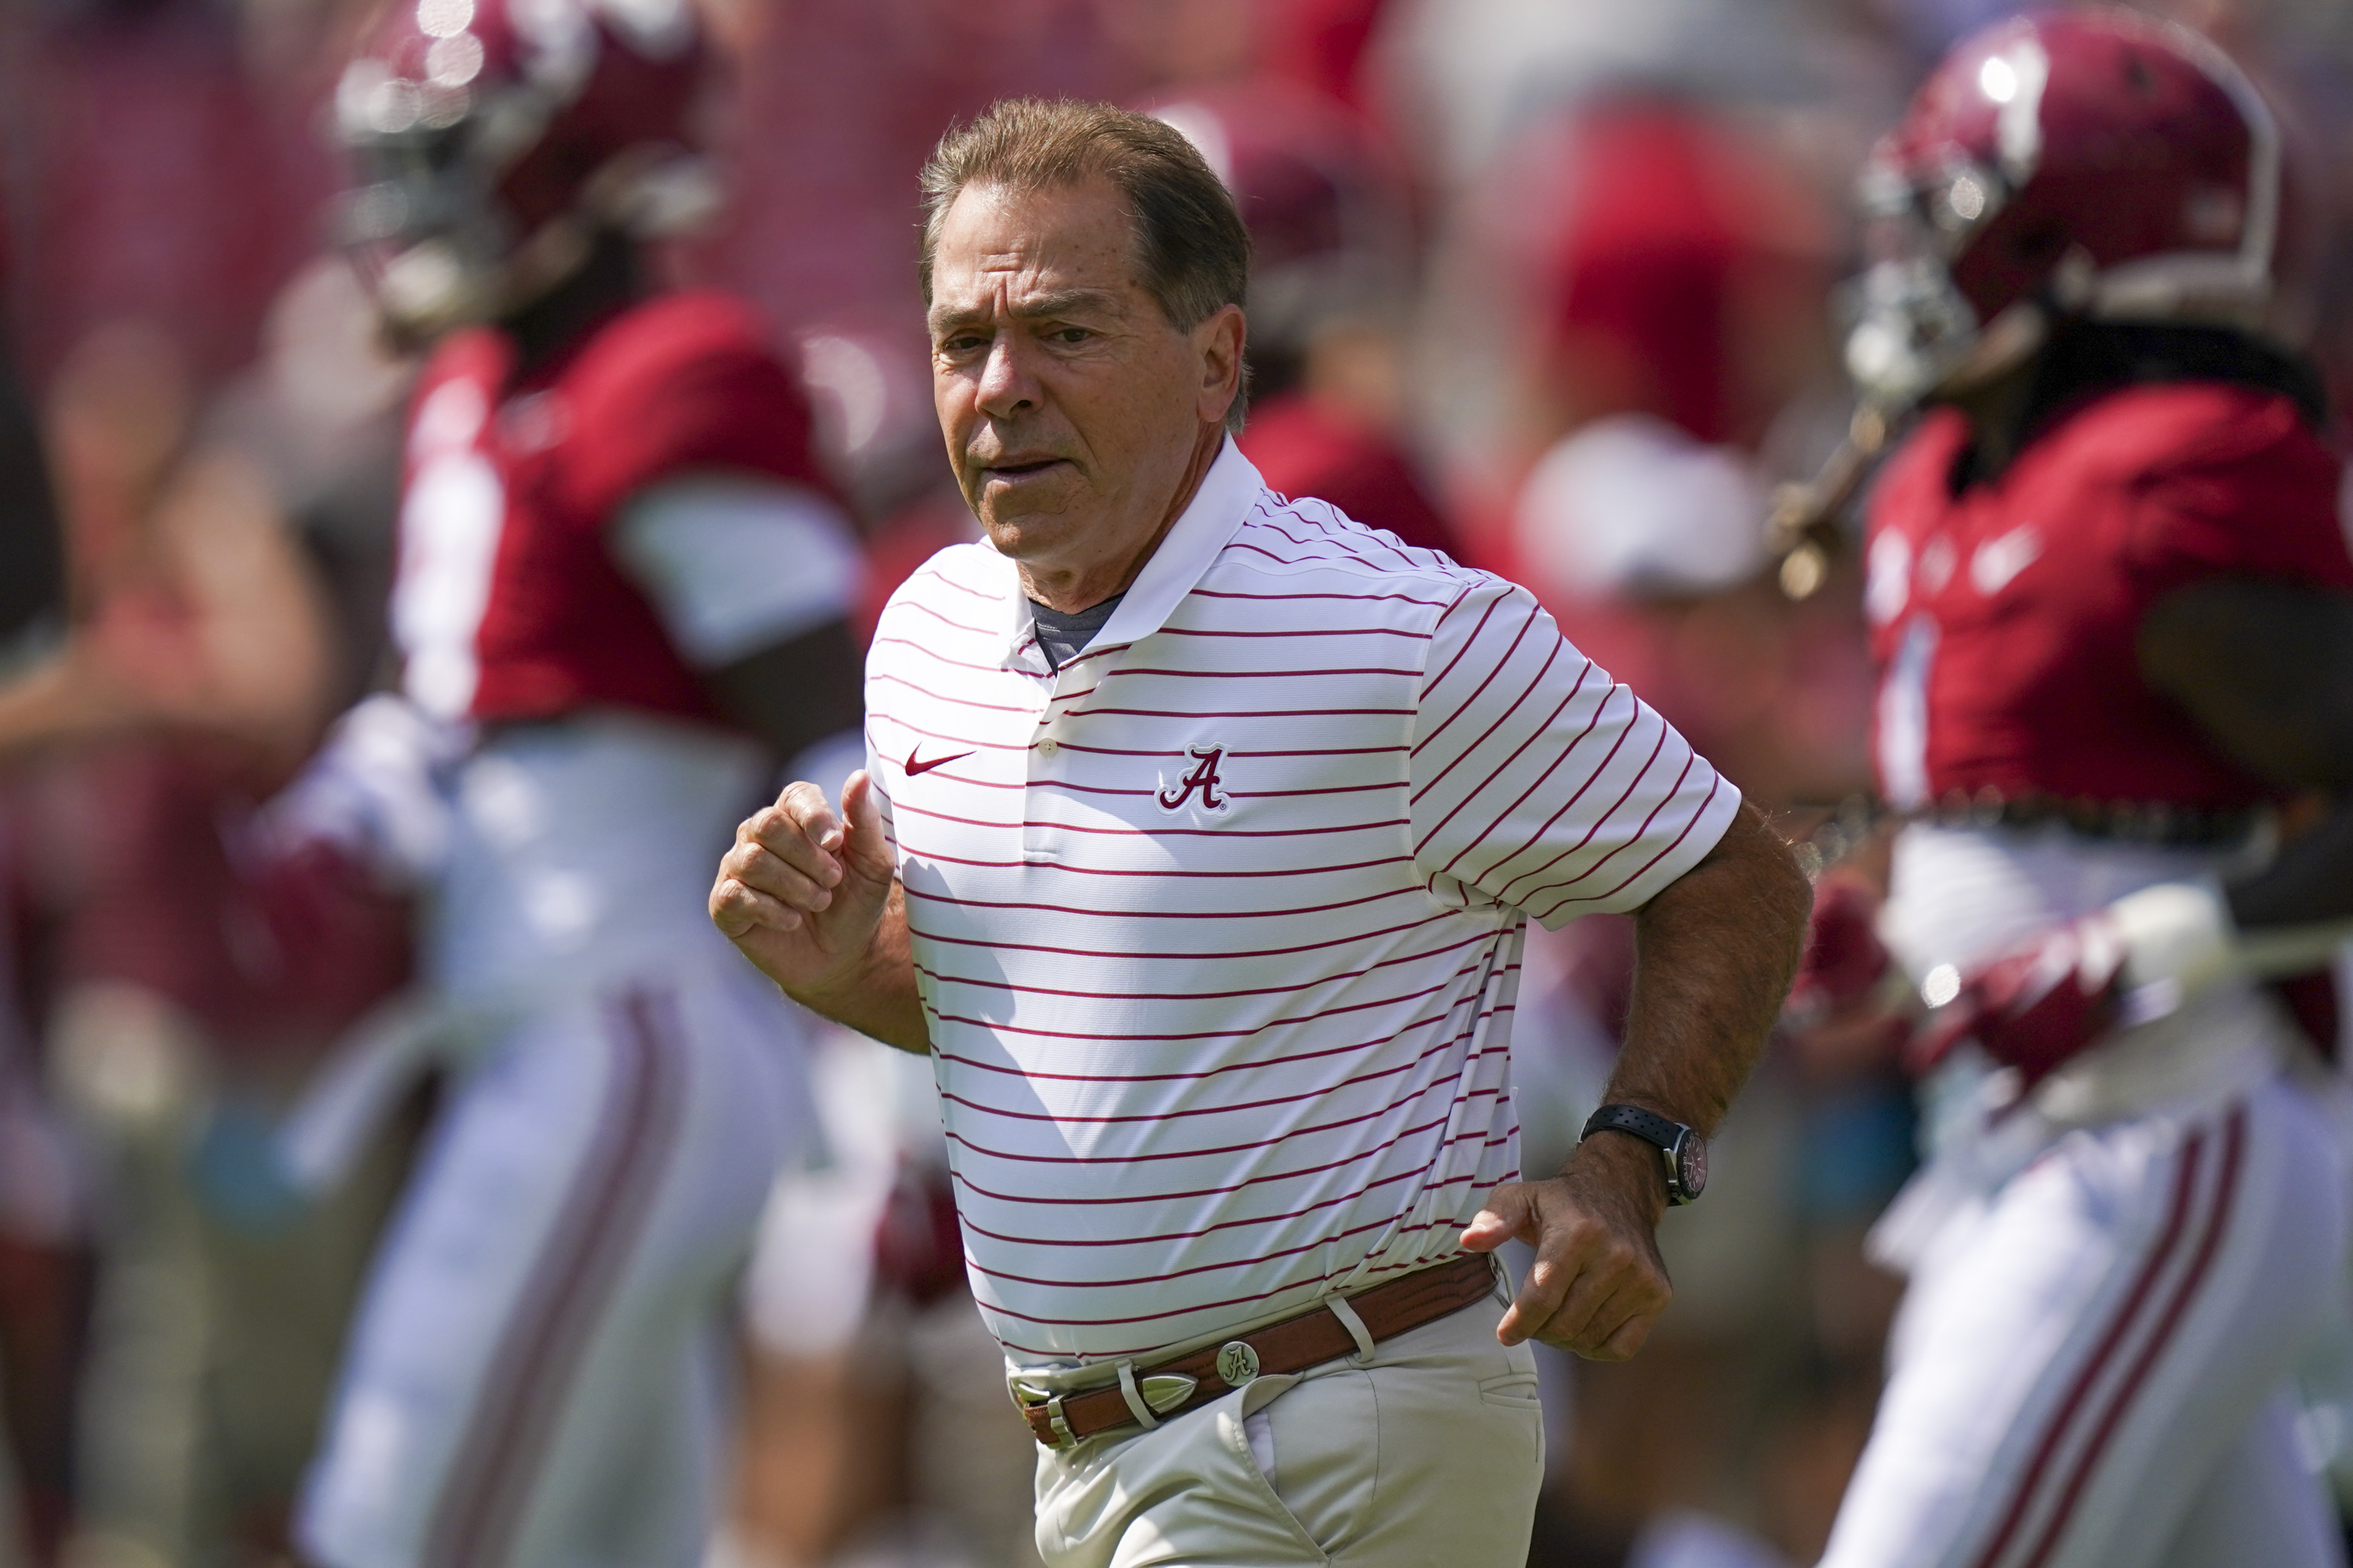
{"x":1692,"y":1163}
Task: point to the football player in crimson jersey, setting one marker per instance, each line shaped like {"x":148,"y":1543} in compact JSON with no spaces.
{"x":620,"y":607}
{"x":2112,"y":611}
{"x":1329,"y":245}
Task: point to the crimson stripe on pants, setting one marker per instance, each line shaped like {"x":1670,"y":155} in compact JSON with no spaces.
{"x":2169,"y":1233}
{"x":2234,"y":1140}
{"x":586,"y":1251}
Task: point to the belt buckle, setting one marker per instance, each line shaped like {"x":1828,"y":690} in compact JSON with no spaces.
{"x":1029,"y":1397}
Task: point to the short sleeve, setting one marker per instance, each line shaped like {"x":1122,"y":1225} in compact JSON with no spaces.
{"x":735,"y":565}
{"x":1539,"y":783}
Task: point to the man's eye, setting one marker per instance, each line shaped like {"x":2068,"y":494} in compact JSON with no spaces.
{"x":1071,"y":334}
{"x":962,"y":343}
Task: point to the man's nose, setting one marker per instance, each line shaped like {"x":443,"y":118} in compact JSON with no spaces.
{"x":1006,"y":387}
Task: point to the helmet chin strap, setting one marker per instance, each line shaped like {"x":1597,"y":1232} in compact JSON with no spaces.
{"x":429,"y":290}
{"x":432,"y":289}
{"x":2006,"y":341}
{"x":1803,"y":532}
{"x":549,"y":258}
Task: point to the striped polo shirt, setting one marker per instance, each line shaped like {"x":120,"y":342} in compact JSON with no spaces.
{"x":1218,"y":926}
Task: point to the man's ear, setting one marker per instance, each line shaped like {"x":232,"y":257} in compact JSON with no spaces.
{"x":1220,"y":341}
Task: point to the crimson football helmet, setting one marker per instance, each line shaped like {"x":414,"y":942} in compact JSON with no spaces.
{"x":495,"y":138}
{"x":2091,"y":162}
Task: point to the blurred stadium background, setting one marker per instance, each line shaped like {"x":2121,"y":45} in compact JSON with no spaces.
{"x":1551,"y":282}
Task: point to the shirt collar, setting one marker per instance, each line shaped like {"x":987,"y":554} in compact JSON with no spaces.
{"x":1224,"y":497}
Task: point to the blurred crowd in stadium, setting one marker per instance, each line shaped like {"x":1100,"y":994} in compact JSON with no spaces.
{"x":1550,"y":284}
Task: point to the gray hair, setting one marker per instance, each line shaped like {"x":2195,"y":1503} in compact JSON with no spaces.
{"x":1192,"y":250}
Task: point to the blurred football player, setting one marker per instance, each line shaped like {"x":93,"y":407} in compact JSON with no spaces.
{"x":2112,"y":612}
{"x":1331,"y":245}
{"x":620,"y":589}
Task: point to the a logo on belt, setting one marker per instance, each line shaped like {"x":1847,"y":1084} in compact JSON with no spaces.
{"x":1237,"y":1363}
{"x":1204,"y":777}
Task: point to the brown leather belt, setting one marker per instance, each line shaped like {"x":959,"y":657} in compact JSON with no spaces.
{"x":1144,"y":1396}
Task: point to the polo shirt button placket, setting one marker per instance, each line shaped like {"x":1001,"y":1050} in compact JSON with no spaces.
{"x":1036,"y":837}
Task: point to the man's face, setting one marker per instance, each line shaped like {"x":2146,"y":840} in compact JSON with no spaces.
{"x":1072,"y":407}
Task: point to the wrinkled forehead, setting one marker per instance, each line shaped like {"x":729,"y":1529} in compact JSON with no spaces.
{"x":1000,"y":246}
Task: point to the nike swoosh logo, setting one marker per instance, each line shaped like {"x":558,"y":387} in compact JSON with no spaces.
{"x":914,"y":767}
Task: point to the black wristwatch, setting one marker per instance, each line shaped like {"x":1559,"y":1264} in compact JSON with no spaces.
{"x":1685,"y":1151}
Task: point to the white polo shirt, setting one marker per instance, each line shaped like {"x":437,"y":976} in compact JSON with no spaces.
{"x":1217,"y":927}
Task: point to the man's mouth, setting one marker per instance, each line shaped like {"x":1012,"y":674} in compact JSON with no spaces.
{"x":1022,"y":468}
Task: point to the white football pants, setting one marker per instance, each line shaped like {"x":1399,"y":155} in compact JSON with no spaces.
{"x":533,"y":1379}
{"x":2088,"y":1370}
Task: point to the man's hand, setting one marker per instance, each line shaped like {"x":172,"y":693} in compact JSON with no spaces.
{"x":1598,"y":1284}
{"x":803,"y":892}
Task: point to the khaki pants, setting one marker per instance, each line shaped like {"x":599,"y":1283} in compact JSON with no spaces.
{"x":1429,"y":1452}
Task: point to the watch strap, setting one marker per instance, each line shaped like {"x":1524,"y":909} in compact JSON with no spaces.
{"x":1648,"y":1125}
{"x":1668,"y":1137}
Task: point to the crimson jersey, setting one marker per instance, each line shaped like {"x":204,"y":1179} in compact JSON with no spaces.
{"x":2004,"y":618}
{"x":510,"y":603}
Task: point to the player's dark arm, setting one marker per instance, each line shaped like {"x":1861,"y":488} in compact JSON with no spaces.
{"x":1714,"y":951}
{"x":2267,"y":670}
{"x":794,"y":693}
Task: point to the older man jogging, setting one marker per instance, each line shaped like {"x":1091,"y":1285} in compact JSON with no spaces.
{"x":1195,"y":844}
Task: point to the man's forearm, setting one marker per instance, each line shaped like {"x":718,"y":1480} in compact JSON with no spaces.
{"x":1714,"y":952}
{"x":877,"y":995}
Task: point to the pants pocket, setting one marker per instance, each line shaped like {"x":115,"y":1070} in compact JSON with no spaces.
{"x":1325,"y":1435}
{"x":1513,"y":1391}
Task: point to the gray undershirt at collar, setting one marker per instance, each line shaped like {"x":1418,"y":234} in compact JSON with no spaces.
{"x":1065,"y":637}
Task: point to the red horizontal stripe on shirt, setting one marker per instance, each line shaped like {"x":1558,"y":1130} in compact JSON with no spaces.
{"x":1344,"y":598}
{"x":1144,"y":870}
{"x":1353,"y":1158}
{"x":1245,"y":1032}
{"x":885,"y":677}
{"x":1316,"y":1091}
{"x":1308,"y":1285}
{"x":910,"y":809}
{"x":1398,"y":1032}
{"x":1095,"y":912}
{"x":1247,"y":674}
{"x":1299,"y":632}
{"x":1289,"y":987}
{"x":1459,"y":1101}
{"x":1175,"y":954}
{"x":1239,"y":715}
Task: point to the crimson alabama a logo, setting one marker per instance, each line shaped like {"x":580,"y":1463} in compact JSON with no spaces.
{"x":1202,"y":778}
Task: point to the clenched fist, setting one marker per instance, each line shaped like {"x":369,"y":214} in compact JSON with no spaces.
{"x":809,"y":896}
